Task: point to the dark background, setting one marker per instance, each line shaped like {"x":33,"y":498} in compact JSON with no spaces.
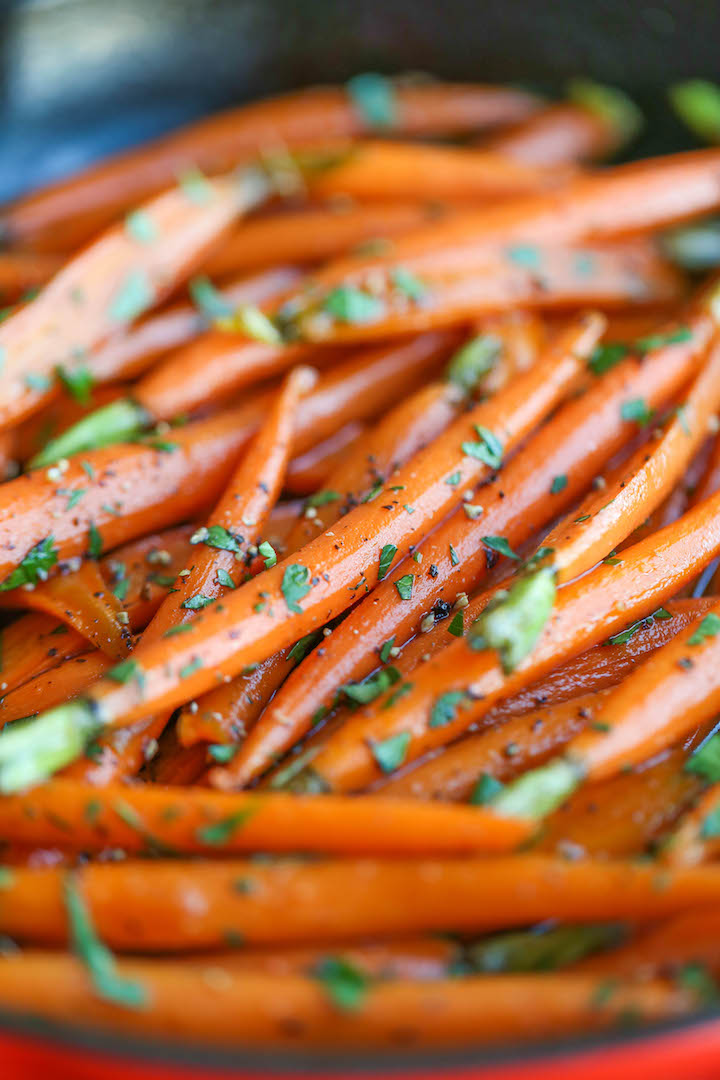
{"x":83,"y":77}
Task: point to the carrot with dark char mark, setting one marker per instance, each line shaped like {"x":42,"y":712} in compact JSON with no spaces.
{"x":140,"y":905}
{"x":123,"y":274}
{"x":63,"y":215}
{"x":251,"y":1008}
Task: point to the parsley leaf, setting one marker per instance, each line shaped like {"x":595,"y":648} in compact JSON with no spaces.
{"x":456,"y":626}
{"x":268,"y":553}
{"x":444,"y":708}
{"x":390,"y":753}
{"x":387,"y":555}
{"x":77,"y":381}
{"x":34,"y":566}
{"x":408,"y":283}
{"x":223,"y":578}
{"x":95,"y":543}
{"x":345,"y":984}
{"x":221,"y":832}
{"x":197,"y":602}
{"x":369,"y":689}
{"x":322,"y":498}
{"x":219,"y":537}
{"x":607,"y":356}
{"x":636,"y":409}
{"x":474,"y":359}
{"x":708,"y":628}
{"x":374,"y":99}
{"x":133,"y":298}
{"x":485,"y":790}
{"x":559,"y":484}
{"x":294,"y":586}
{"x":404,"y":586}
{"x":705,"y":761}
{"x":488,"y":449}
{"x":348,"y":304}
{"x":209,"y":301}
{"x":501,"y":545}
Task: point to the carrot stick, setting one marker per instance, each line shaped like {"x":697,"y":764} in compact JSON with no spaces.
{"x":674,"y":691}
{"x":81,"y":599}
{"x":112,"y":282}
{"x":622,"y":816}
{"x":687,"y":939}
{"x":461,"y":682}
{"x":593,"y":124}
{"x":308,"y":472}
{"x":312,"y":234}
{"x":695,"y":839}
{"x":156,"y":486}
{"x":293,"y":1011}
{"x":607,"y":517}
{"x":57,"y":416}
{"x":396,"y":170}
{"x":590,"y":208}
{"x":454,"y":772}
{"x":584,"y":434}
{"x":142,"y":905}
{"x":61,"y":216}
{"x":59,"y":683}
{"x":264,"y":616}
{"x":710,"y":481}
{"x":197,"y":820}
{"x":550,"y":278}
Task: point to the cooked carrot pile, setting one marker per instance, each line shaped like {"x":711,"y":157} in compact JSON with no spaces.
{"x":359,"y":534}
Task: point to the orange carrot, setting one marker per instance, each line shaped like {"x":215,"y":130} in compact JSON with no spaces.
{"x":460,"y":683}
{"x":255,"y":1009}
{"x":197,"y":820}
{"x":585,"y":432}
{"x":81,"y":599}
{"x":696,"y":838}
{"x":397,"y":170}
{"x":119,"y":277}
{"x":313,"y":234}
{"x":142,"y":905}
{"x":309,"y":471}
{"x":692,"y":938}
{"x":622,"y":816}
{"x":149,"y":487}
{"x":264,"y":615}
{"x":21,"y":271}
{"x":558,"y":134}
{"x":492,"y":280}
{"x":59,"y":683}
{"x":61,"y":216}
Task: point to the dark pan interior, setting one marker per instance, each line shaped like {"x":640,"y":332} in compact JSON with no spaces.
{"x":81,"y":78}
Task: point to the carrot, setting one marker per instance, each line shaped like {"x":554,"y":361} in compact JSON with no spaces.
{"x":23,"y":271}
{"x":58,"y":683}
{"x":264,"y":615}
{"x":308,"y":472}
{"x":497,"y":753}
{"x":170,"y":328}
{"x":113,"y":281}
{"x":668,"y":696}
{"x":245,"y":504}
{"x":142,"y":905}
{"x":81,"y":599}
{"x":607,"y":517}
{"x":57,"y":416}
{"x":396,"y":170}
{"x":584,"y":434}
{"x":460,"y":683}
{"x":623,"y":816}
{"x":594,"y":123}
{"x":493,"y":280}
{"x":84,"y":818}
{"x":313,"y":234}
{"x":691,"y":938}
{"x":149,"y":487}
{"x":590,"y":208}
{"x":292,"y":1011}
{"x":695,"y":839}
{"x":710,"y":480}
{"x":61,"y":216}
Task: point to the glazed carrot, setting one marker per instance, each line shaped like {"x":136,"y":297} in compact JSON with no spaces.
{"x":313,"y":234}
{"x":466,"y":681}
{"x":550,"y":278}
{"x":112,"y":282}
{"x":695,"y":839}
{"x":61,"y":216}
{"x":309,"y":471}
{"x":137,"y":349}
{"x":294,"y":1011}
{"x":263,"y":616}
{"x":584,"y":434}
{"x":142,"y":905}
{"x":396,"y":170}
{"x":607,"y":517}
{"x":57,"y":416}
{"x":197,"y":820}
{"x":669,"y":695}
{"x":590,"y":208}
{"x":688,"y":939}
{"x":21,"y":271}
{"x":453,"y":773}
{"x":622,"y":817}
{"x":710,"y":480}
{"x":151,"y":486}
{"x":81,"y":599}
{"x":61,"y":682}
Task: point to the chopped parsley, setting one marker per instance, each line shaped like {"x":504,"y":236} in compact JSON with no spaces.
{"x":294,"y":586}
{"x":387,"y":555}
{"x":708,"y":628}
{"x":34,"y":567}
{"x":559,"y":484}
{"x":197,"y":602}
{"x":636,"y":409}
{"x":133,"y":298}
{"x":373,"y":97}
{"x":456,"y":627}
{"x":485,"y":790}
{"x":369,"y":689}
{"x":501,"y":545}
{"x":390,"y":753}
{"x":77,"y":381}
{"x":488,"y":449}
{"x":705,"y":761}
{"x":209,"y":301}
{"x":404,"y":586}
{"x":444,"y":708}
{"x":348,"y":304}
{"x":408,"y":283}
{"x":322,"y":498}
{"x":345,"y":984}
{"x":223,"y":578}
{"x":95,"y":543}
{"x":141,"y":227}
{"x":223,"y":831}
{"x":268,"y":553}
